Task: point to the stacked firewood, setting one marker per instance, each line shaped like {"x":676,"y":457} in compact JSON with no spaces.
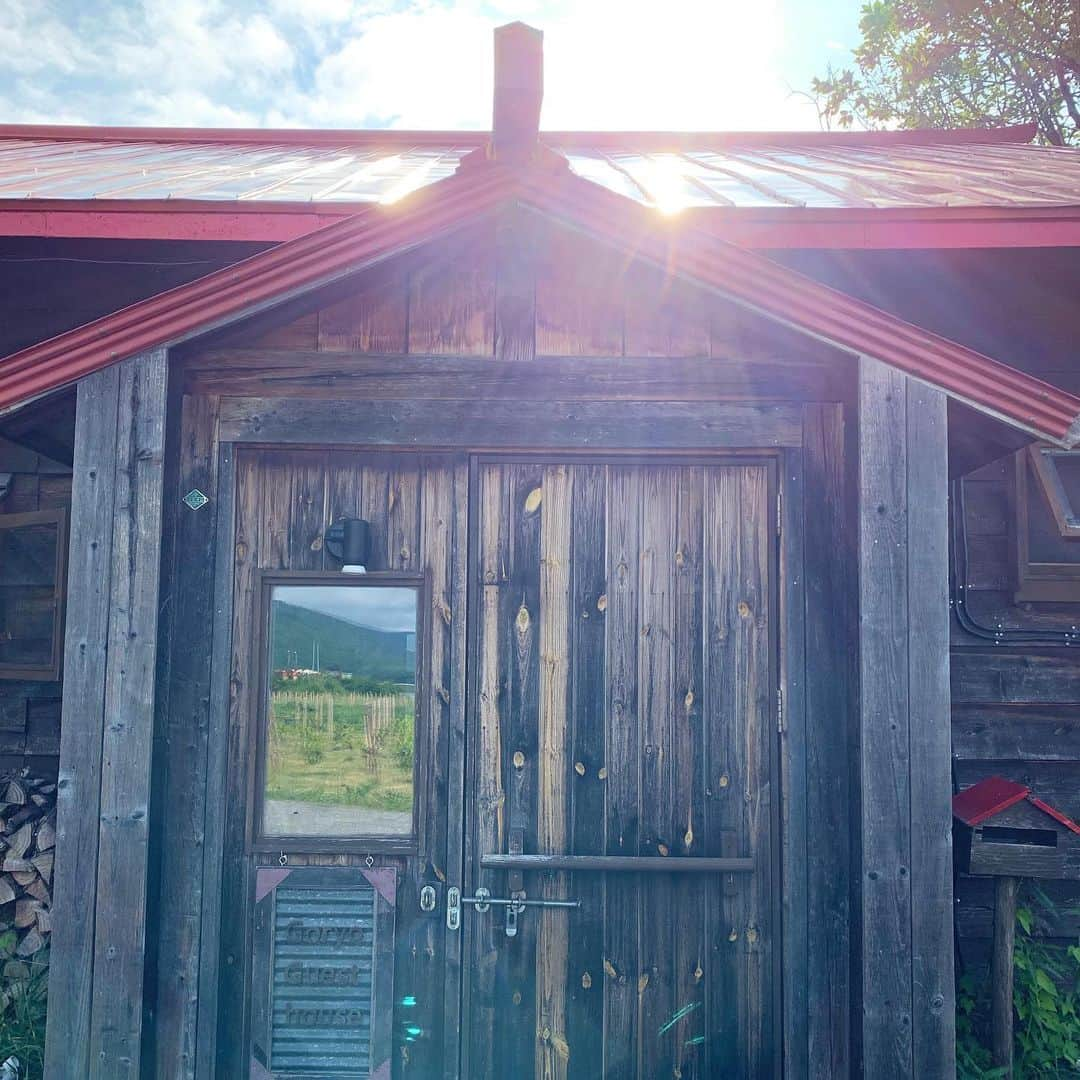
{"x":27,"y":848}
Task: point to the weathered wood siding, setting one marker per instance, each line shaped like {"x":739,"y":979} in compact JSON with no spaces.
{"x":1016,"y":707}
{"x":30,"y":710}
{"x":466,"y":296}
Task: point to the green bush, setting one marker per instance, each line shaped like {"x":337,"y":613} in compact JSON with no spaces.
{"x":24,"y":987}
{"x":1046,"y":1001}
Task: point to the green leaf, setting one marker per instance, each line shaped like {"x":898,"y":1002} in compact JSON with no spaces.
{"x":1024,"y":918}
{"x":1044,"y":981}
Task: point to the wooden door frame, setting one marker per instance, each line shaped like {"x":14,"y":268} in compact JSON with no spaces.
{"x":798,"y":469}
{"x":778,"y":463}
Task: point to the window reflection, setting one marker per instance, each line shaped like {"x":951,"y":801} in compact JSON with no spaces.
{"x":341,"y":721}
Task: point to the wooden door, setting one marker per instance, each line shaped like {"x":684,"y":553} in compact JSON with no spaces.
{"x":623,"y":704}
{"x":376,"y":731}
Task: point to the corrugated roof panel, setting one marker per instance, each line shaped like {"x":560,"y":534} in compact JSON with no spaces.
{"x":760,"y":171}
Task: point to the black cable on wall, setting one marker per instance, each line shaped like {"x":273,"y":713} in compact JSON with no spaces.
{"x":998,"y":635}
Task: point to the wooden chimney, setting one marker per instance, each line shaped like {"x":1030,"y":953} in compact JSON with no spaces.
{"x":519,"y":91}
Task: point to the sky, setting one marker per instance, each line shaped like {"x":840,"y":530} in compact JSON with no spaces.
{"x":609,"y":64}
{"x":383,"y":608}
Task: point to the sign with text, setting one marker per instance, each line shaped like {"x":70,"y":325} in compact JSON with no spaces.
{"x":322,"y":993}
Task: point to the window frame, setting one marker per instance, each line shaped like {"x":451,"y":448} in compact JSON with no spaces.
{"x":1037,"y":477}
{"x":52,"y":671}
{"x":258,"y":841}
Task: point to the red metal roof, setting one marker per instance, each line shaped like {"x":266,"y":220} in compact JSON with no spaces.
{"x":670,"y":171}
{"x":991,"y":796}
{"x":988,"y":797}
{"x":1056,"y":814}
{"x":380,"y":232}
{"x":70,"y":180}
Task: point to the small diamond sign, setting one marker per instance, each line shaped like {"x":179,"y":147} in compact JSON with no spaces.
{"x":195,"y":499}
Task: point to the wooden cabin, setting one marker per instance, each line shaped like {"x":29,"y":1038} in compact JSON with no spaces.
{"x":509,"y":607}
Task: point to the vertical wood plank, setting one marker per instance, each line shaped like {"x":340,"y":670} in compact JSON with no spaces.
{"x":403,"y":551}
{"x":622,"y":966}
{"x":419,"y":539}
{"x":829,"y":572}
{"x":553,"y":766}
{"x":521,"y":619}
{"x":452,"y":300}
{"x":737,"y":547}
{"x":78,"y":789}
{"x":656,"y":1002}
{"x":306,"y":479}
{"x":515,"y":285}
{"x":933,"y":1009}
{"x":343,"y":491}
{"x":585,"y":965}
{"x":216,"y":764}
{"x":373,"y":318}
{"x":884,"y":714}
{"x":691,"y":945}
{"x":454,"y":755}
{"x":232,"y":686}
{"x":579,"y":303}
{"x":794,"y":825}
{"x":375,"y":495}
{"x":723,"y":815}
{"x":127,"y":743}
{"x":188,"y":596}
{"x":485,"y":776}
{"x":664,"y":316}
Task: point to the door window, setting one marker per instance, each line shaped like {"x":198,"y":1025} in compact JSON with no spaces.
{"x":339,"y":718}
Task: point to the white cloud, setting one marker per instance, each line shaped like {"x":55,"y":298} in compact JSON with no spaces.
{"x":690,"y":64}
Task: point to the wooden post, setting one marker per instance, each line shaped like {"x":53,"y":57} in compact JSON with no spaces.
{"x":98,"y":952}
{"x":1005,"y":891}
{"x":906,"y":885}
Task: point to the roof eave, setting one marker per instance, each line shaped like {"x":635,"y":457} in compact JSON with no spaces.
{"x":356,"y":243}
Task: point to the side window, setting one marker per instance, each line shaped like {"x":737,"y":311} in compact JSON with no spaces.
{"x":338,"y":723}
{"x":33,"y":550}
{"x":1048,"y":524}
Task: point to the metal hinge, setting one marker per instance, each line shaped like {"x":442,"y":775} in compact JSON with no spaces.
{"x":779,"y":512}
{"x":780,"y":711}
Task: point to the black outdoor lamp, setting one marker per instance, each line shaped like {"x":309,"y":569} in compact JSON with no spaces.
{"x":348,"y":540}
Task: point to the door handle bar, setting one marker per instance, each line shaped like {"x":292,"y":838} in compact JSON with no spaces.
{"x":484,"y":901}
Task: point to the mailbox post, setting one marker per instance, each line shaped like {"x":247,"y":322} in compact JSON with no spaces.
{"x":1005,"y":831}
